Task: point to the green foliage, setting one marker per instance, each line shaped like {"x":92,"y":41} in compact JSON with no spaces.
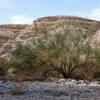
{"x":69,"y":21}
{"x":3,"y":66}
{"x":23,"y":57}
{"x":91,"y":31}
{"x":63,"y":51}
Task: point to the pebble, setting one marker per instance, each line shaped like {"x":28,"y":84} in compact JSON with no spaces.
{"x":60,"y":88}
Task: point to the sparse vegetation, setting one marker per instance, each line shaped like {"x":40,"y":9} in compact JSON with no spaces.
{"x":63,"y":52}
{"x":16,"y":91}
{"x":69,"y":53}
{"x":3,"y":66}
{"x":23,"y":57}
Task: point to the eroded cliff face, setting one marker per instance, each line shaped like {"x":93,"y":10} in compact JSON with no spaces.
{"x":58,"y":24}
{"x":11,"y":34}
{"x":8,"y":33}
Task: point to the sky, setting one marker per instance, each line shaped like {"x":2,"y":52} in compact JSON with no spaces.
{"x":25,"y":11}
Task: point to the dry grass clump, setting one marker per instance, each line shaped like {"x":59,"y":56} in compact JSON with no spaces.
{"x":17,"y":91}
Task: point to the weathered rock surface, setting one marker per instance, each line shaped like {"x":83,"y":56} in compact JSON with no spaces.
{"x":53,"y":24}
{"x":96,"y":38}
{"x":9,"y":32}
{"x":7,"y":47}
{"x":58,"y":24}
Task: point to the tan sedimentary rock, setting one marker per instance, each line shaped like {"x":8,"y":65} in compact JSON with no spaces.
{"x":9,"y":32}
{"x":52,"y":23}
{"x":58,"y":24}
{"x":96,"y":38}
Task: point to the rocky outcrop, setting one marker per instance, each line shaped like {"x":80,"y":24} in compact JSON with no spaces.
{"x":96,"y":38}
{"x":45,"y":21}
{"x":9,"y":32}
{"x":7,"y":47}
{"x":58,"y":24}
{"x":52,"y":23}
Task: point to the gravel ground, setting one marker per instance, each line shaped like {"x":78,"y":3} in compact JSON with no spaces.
{"x":56,"y":89}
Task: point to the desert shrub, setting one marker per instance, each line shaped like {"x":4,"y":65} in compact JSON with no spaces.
{"x":91,"y":31}
{"x":63,"y":52}
{"x":96,"y":61}
{"x":3,"y":66}
{"x":23,"y":57}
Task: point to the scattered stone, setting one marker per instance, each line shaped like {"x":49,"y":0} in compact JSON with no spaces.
{"x":57,"y":88}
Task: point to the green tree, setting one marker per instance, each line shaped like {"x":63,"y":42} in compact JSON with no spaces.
{"x":63,"y":51}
